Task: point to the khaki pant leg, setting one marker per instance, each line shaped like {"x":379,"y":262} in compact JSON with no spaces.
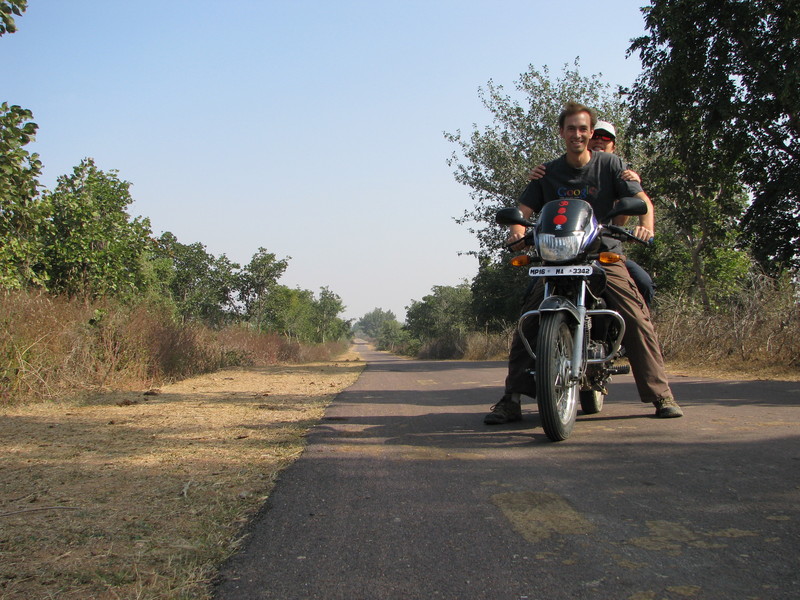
{"x":519,"y":380}
{"x":641,"y":342}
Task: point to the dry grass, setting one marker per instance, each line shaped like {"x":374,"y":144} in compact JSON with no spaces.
{"x":53,"y":347}
{"x":756,"y":334}
{"x":127,"y":495}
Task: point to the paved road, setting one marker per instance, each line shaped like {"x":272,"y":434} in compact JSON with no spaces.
{"x":403,"y":493}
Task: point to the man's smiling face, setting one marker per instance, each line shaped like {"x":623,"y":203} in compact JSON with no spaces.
{"x":576,"y":132}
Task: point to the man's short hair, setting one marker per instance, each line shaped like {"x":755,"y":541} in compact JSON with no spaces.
{"x":573,"y":108}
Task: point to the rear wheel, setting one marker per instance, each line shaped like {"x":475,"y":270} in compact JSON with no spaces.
{"x":591,"y":401}
{"x":556,"y":395}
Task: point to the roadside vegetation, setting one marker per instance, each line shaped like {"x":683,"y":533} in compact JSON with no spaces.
{"x":55,"y":348}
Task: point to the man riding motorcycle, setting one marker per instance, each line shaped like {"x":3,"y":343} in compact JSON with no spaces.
{"x":594,"y":177}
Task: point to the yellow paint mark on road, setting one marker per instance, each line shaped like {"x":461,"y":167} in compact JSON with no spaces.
{"x":538,"y":515}
{"x":626,"y":563}
{"x":405,"y":452}
{"x":707,"y":545}
{"x":427,"y":381}
{"x":496,"y":483}
{"x":666,"y":536}
{"x":432,"y":453}
{"x":733,"y":533}
{"x":687,"y":591}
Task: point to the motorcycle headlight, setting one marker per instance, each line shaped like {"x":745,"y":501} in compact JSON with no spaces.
{"x":559,"y":248}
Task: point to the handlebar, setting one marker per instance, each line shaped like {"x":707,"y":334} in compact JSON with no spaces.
{"x":527,"y":239}
{"x":616,"y":229}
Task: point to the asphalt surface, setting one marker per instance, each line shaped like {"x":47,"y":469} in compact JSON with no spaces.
{"x":404,"y":493}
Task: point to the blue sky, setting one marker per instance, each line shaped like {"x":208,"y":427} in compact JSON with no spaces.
{"x":310,"y":128}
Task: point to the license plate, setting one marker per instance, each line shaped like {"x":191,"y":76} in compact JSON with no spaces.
{"x":560,"y":271}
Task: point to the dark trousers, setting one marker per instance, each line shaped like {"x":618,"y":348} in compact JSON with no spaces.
{"x":641,"y":342}
{"x":642,"y":280}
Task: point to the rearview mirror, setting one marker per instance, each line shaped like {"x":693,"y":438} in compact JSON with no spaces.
{"x":628,"y":206}
{"x":511,"y":216}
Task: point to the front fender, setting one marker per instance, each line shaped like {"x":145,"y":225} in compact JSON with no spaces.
{"x":557,"y":303}
{"x":549,"y":304}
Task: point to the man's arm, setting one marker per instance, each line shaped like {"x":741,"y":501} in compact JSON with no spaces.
{"x":646,"y":228}
{"x":627,"y":186}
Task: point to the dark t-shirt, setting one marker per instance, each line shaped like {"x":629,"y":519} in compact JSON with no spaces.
{"x":598,"y":182}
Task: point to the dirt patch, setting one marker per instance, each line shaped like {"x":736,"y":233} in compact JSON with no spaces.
{"x":141,"y":495}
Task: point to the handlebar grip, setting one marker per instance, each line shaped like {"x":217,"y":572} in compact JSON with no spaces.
{"x":527,"y":239}
{"x":624,"y":232}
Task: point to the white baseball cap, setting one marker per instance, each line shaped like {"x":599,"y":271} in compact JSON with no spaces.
{"x":607,"y":127}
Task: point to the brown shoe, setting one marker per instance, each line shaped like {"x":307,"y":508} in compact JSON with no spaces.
{"x":667,"y":408}
{"x":505,"y":411}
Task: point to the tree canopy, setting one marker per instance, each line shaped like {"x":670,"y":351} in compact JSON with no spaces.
{"x":92,"y":246}
{"x":721,"y":75}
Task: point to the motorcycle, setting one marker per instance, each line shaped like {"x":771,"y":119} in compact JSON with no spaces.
{"x":579,"y":338}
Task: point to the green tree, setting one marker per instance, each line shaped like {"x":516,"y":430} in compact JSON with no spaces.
{"x":327,"y":308}
{"x":203,"y":287}
{"x":371,"y":324}
{"x":392,"y":336}
{"x":699,"y":201}
{"x":497,"y":293}
{"x":726,"y":71}
{"x":289,"y":312}
{"x":298,"y":315}
{"x":445,"y":313}
{"x":258,"y":277}
{"x":8,"y":10}
{"x":93,"y":247}
{"x":23,"y":212}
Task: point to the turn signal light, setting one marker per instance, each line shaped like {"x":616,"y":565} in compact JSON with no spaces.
{"x":521,"y":260}
{"x":608,"y":258}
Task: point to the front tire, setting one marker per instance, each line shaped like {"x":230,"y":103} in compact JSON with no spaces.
{"x":556,"y":395}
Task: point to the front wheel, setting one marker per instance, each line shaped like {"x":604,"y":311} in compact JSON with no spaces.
{"x":556,"y":395}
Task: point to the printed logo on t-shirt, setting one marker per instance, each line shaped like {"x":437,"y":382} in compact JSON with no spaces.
{"x":583,"y":193}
